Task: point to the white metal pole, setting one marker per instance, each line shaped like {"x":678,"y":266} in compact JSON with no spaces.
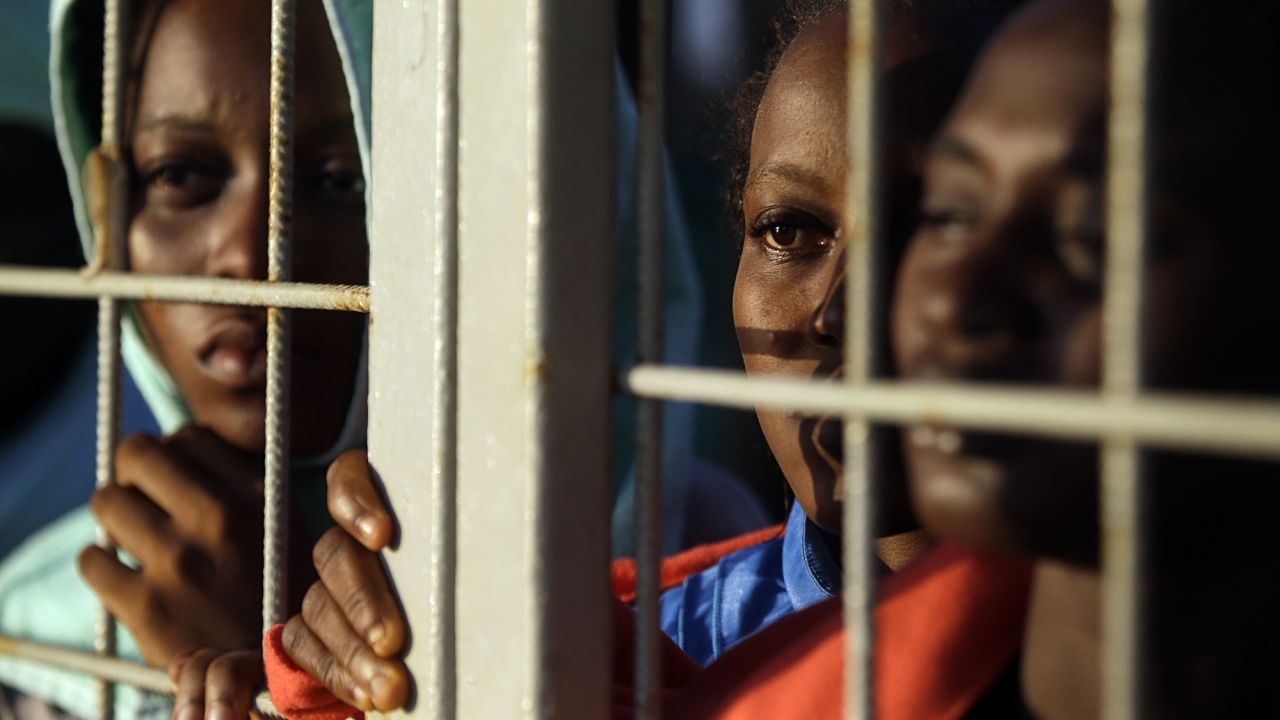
{"x":1122,"y":502}
{"x":412,"y":355}
{"x":535,"y":241}
{"x":861,"y":324}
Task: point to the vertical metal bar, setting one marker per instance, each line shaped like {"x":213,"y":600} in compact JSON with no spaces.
{"x":535,"y":243}
{"x":1121,"y":472}
{"x":859,"y":494}
{"x":412,"y":357}
{"x":279,"y":233}
{"x":108,"y":435}
{"x":649,"y":209}
{"x":110,"y":247}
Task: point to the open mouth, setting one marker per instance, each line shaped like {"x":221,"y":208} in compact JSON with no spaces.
{"x":235,"y":354}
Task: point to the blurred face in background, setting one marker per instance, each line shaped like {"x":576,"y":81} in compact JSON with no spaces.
{"x":1003,"y":283}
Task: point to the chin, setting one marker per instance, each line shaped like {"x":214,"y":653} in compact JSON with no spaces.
{"x":961,"y":510}
{"x":1037,"y":514}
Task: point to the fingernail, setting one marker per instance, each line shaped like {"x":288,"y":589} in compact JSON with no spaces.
{"x":368,"y":526}
{"x":376,"y":633}
{"x":381,"y":686}
{"x":188,"y":712}
{"x":362,"y":700}
{"x":221,"y":712}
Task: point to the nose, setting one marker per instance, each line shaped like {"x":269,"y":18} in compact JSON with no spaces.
{"x":979,"y":307}
{"x":826,"y":325}
{"x":238,"y":236}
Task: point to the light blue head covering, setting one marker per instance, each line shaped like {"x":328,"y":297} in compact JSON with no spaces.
{"x":78,"y":130}
{"x":42,"y":596}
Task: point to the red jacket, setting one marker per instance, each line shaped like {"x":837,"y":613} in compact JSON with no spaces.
{"x":947,"y":626}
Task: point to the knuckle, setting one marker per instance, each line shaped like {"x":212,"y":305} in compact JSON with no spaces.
{"x":135,"y":446}
{"x":359,"y":609}
{"x":182,"y":560}
{"x":292,"y":637}
{"x":314,"y":604}
{"x":329,"y":549}
{"x":151,"y":608}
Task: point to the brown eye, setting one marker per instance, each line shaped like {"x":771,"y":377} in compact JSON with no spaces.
{"x":790,"y":231}
{"x":170,"y":177}
{"x":781,"y":236}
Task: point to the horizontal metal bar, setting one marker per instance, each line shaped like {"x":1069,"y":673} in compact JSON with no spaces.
{"x":1165,"y":420}
{"x":58,"y":283}
{"x":143,"y":677}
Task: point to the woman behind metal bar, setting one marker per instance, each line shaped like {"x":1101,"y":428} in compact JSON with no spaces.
{"x":188,"y":507}
{"x":787,"y":192}
{"x":787,"y":286}
{"x":1003,"y":283}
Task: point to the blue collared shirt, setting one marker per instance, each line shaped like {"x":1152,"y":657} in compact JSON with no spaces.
{"x":752,"y":588}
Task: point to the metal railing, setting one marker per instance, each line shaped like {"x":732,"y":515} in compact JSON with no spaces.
{"x":492,"y":442}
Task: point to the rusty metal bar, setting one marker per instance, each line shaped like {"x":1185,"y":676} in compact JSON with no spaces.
{"x":649,"y":209}
{"x":861,"y":313}
{"x":71,"y":284}
{"x":1122,"y":504}
{"x":110,"y":669}
{"x":1222,"y":425}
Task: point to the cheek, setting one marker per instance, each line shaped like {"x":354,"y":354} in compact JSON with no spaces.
{"x":171,"y":333}
{"x":1081,"y":352}
{"x":164,"y":247}
{"x":772,"y":309}
{"x":906,"y":334}
{"x":335,"y":251}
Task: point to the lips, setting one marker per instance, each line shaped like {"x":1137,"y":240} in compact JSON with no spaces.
{"x":235,"y":354}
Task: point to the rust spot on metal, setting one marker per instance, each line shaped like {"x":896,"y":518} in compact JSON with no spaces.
{"x":536,"y":369}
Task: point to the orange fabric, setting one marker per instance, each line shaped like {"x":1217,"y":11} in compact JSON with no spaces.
{"x":678,"y":669}
{"x":297,"y":695}
{"x":692,"y":561}
{"x":947,"y":626}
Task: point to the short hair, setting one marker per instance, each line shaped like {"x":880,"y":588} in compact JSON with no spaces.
{"x":961,"y":26}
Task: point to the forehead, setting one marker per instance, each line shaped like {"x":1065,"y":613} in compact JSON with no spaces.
{"x":801,"y":119}
{"x":211,"y":58}
{"x":1041,"y":86}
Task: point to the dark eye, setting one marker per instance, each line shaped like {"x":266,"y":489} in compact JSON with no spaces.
{"x":170,"y":177}
{"x":947,"y":224}
{"x":790,"y":231}
{"x":340,"y":177}
{"x":179,"y":182}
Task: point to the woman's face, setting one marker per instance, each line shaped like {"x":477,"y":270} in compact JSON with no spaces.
{"x":199,"y":138}
{"x":1002,"y":281}
{"x":788,"y":301}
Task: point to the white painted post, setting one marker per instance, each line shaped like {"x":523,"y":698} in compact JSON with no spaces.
{"x":413,"y":262}
{"x":535,"y":241}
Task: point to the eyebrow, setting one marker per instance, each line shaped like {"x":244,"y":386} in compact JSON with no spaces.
{"x":184,"y":123}
{"x":787,"y":171}
{"x":953,"y":149}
